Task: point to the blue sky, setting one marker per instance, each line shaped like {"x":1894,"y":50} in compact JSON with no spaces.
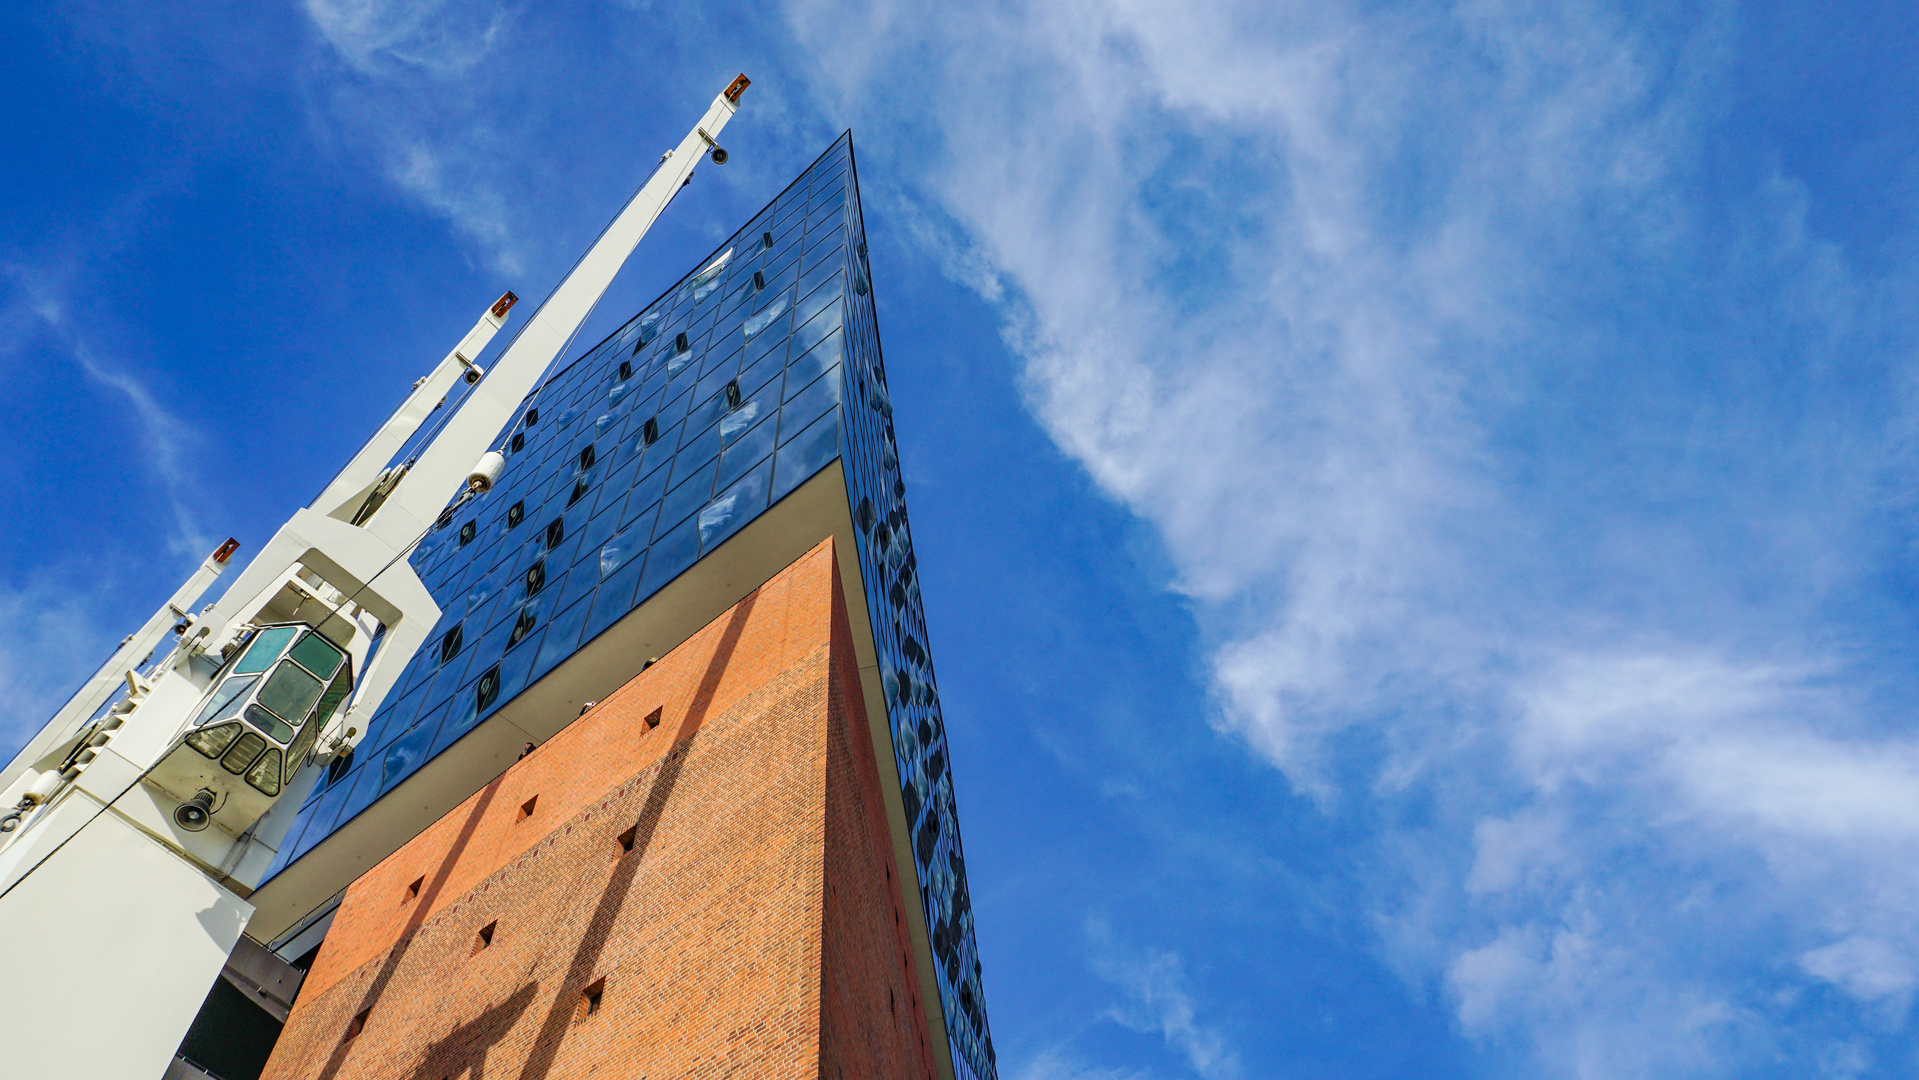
{"x":1417,"y":501}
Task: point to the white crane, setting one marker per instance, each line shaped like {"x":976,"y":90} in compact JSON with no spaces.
{"x":129,"y":843}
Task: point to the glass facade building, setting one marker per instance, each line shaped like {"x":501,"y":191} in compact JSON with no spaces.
{"x":751,"y":375}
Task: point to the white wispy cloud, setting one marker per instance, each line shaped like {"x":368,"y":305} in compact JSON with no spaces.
{"x":1309,"y":287}
{"x":1057,"y":1064}
{"x":165,"y":441}
{"x":412,"y":101}
{"x":1158,"y":1001}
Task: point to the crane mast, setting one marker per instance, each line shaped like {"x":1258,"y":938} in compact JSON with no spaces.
{"x":130,"y":837}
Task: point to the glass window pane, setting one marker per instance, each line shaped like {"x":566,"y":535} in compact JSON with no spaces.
{"x":805,"y":454}
{"x":290,"y":692}
{"x":688,"y":497}
{"x":222,"y":704}
{"x":807,"y":405}
{"x":614,"y":599}
{"x":816,"y":362}
{"x":561,"y":639}
{"x":739,"y":504}
{"x":671,"y":554}
{"x":745,"y":453}
{"x":317,"y":655}
{"x":265,"y":649}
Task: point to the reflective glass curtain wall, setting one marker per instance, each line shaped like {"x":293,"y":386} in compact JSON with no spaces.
{"x":745,"y":379}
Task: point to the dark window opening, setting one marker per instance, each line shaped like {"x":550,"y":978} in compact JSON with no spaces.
{"x":733,"y":394}
{"x":759,"y":280}
{"x":626,"y":370}
{"x":588,"y":457}
{"x":519,"y":441}
{"x":413,"y":890}
{"x":580,"y":488}
{"x":486,"y":936}
{"x":450,"y":643}
{"x":532,"y":417}
{"x":515,"y":513}
{"x":357,"y":1024}
{"x":590,"y":998}
{"x":680,"y":344}
{"x":865,"y":515}
{"x":487,"y":690}
{"x":535,"y":580}
{"x":339,"y":767}
{"x":521,"y":628}
{"x":555,"y":532}
{"x":526,"y":808}
{"x":766,"y":240}
{"x":650,"y":431}
{"x":653,"y":718}
{"x":467,"y":532}
{"x":626,"y":838}
{"x":638,"y":345}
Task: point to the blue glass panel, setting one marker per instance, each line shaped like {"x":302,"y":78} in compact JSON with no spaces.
{"x":735,"y":507}
{"x":818,"y":328}
{"x":811,"y":282}
{"x":671,"y":554}
{"x":614,"y":598}
{"x":405,"y":755}
{"x":583,"y":580}
{"x":326,"y":811}
{"x":366,"y":788}
{"x":745,"y":453}
{"x":641,"y":524}
{"x":816,"y":301}
{"x":392,"y":723}
{"x":701,"y":419}
{"x":762,"y":373}
{"x":805,"y":406}
{"x":738,"y":421}
{"x":462,"y":713}
{"x":822,"y":254}
{"x":710,"y":387}
{"x":816,"y":362}
{"x":598,"y":531}
{"x":518,"y":662}
{"x":623,"y":548}
{"x":688,"y":497}
{"x":803,"y":455}
{"x":645,"y":493}
{"x":561,"y":637}
{"x":766,"y":317}
{"x":290,"y":844}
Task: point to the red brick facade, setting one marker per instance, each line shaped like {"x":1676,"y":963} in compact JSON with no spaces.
{"x":692,"y":880}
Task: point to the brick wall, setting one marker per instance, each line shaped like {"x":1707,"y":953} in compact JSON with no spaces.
{"x":873,"y":1023}
{"x":751,"y":930}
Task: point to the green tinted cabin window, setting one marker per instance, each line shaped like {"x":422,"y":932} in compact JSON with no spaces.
{"x":269,"y":723}
{"x":213,"y":741}
{"x":244,"y":752}
{"x":265,"y":649}
{"x":297,"y":753}
{"x":290,"y":692}
{"x":335,"y":693}
{"x":265,"y":774}
{"x":317,"y":655}
{"x":223,"y":703}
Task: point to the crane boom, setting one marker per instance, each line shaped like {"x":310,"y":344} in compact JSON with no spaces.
{"x":447,"y":461}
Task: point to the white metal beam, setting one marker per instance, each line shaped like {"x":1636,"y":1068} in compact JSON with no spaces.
{"x":444,"y":465}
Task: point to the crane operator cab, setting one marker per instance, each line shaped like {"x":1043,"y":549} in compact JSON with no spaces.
{"x":255,"y":727}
